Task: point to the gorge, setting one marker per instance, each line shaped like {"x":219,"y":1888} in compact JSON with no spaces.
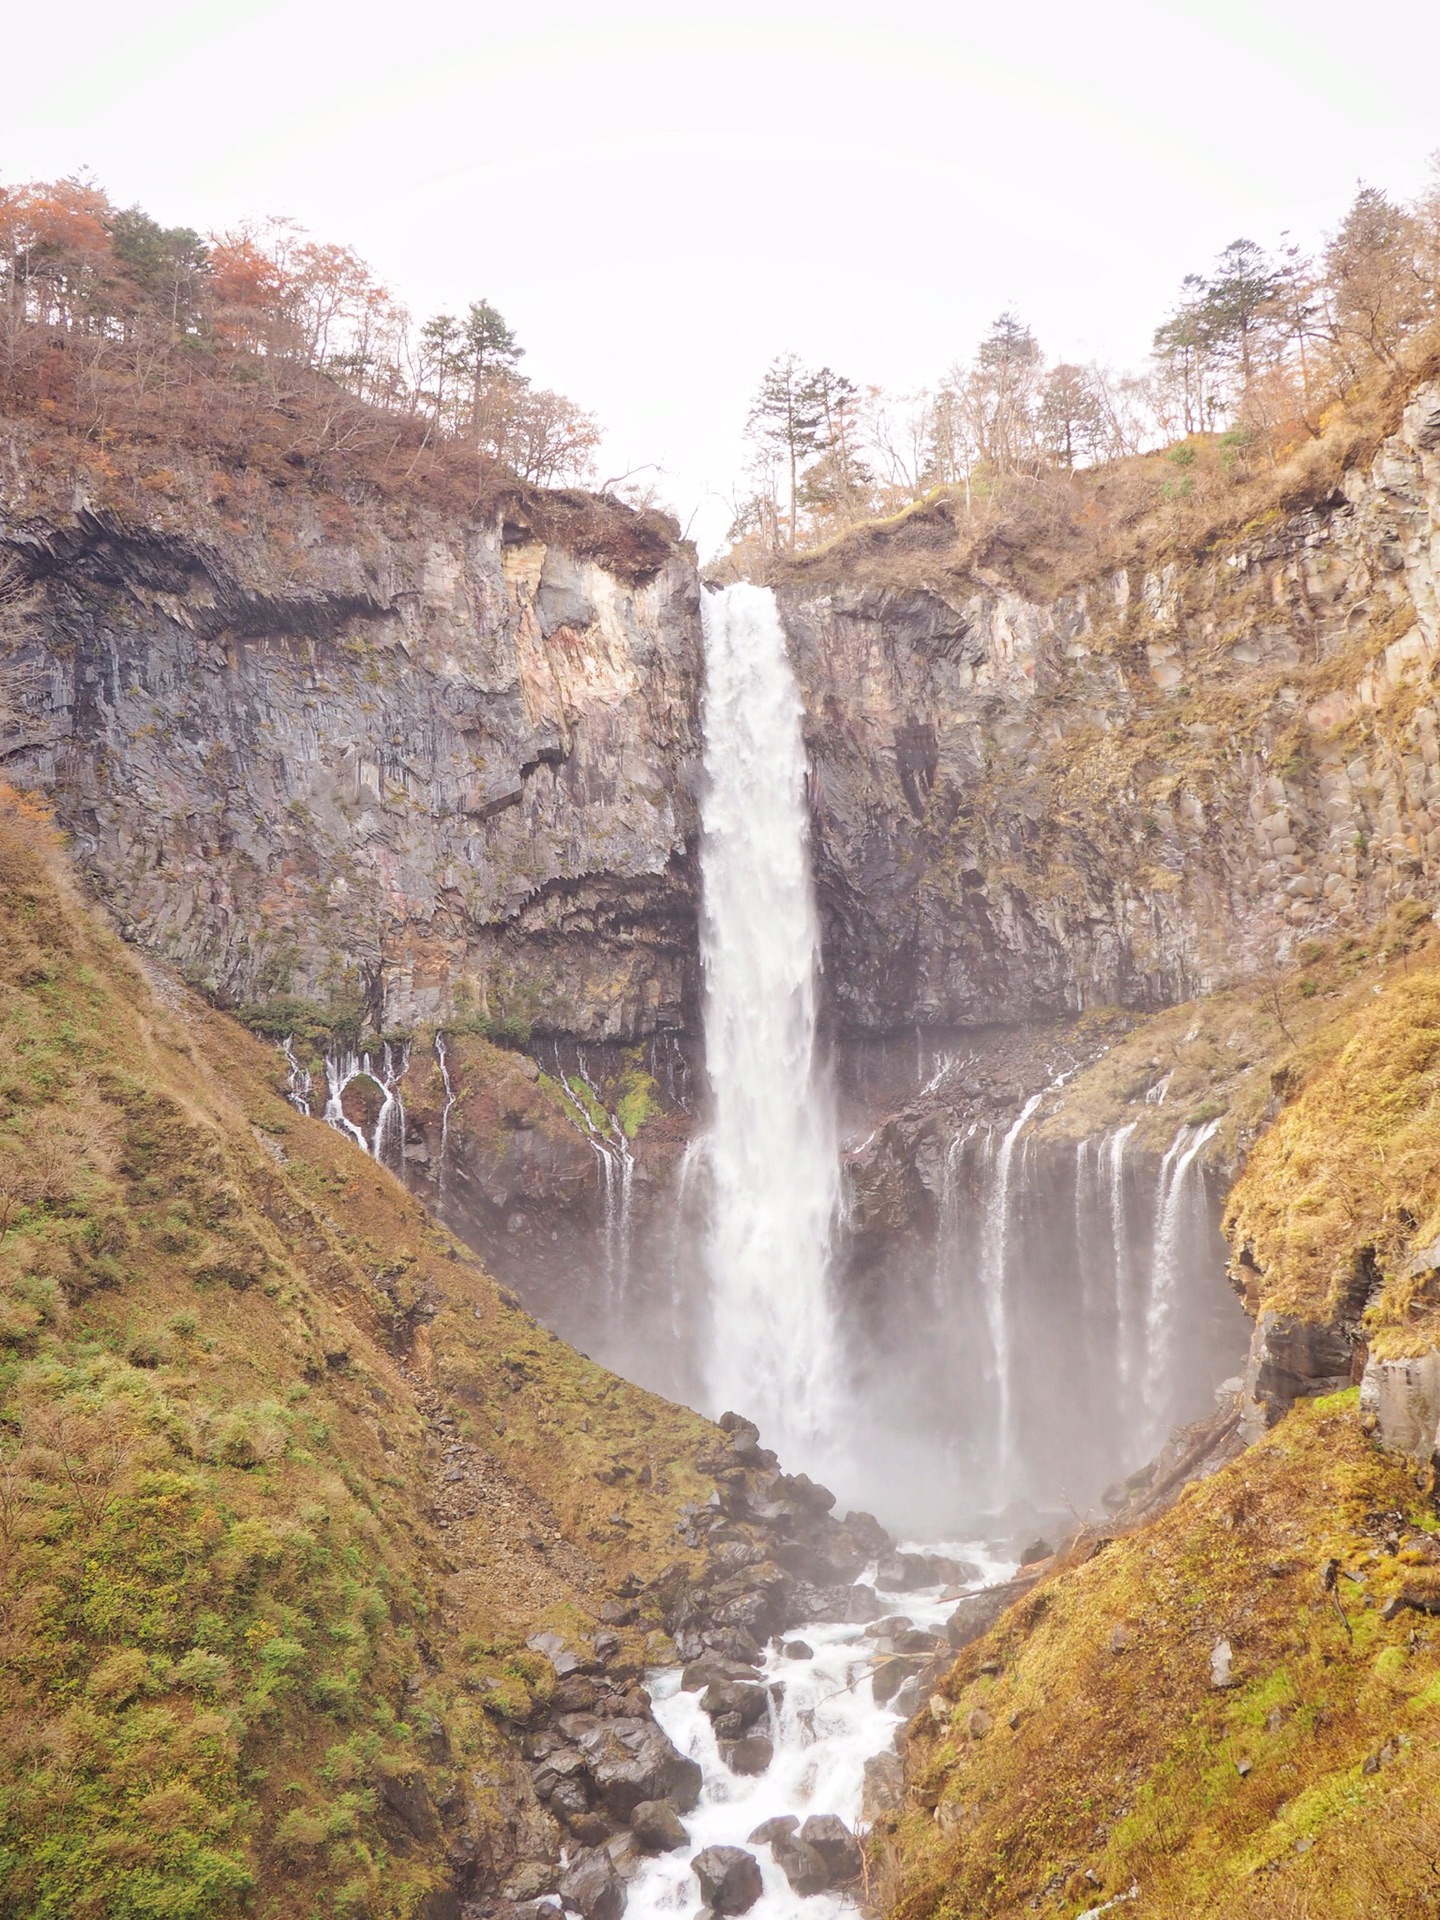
{"x":971,"y":1034}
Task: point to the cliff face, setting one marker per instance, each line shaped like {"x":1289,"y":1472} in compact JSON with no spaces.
{"x":445,"y":766}
{"x":1137,"y":791}
{"x":439,"y":767}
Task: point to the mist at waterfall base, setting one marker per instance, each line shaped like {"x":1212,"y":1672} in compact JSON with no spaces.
{"x":1029,"y":1331}
{"x":1030,"y":1339}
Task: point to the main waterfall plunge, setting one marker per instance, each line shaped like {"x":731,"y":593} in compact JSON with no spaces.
{"x":940,"y":1308}
{"x":771,"y":1149}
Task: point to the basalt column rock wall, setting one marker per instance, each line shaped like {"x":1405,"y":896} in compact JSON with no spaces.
{"x":1140,"y":789}
{"x":446,"y":768}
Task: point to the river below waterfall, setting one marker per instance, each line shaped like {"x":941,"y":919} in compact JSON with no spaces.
{"x":825,"y":1724}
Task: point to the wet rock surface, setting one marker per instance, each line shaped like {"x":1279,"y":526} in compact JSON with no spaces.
{"x":729,"y":1879}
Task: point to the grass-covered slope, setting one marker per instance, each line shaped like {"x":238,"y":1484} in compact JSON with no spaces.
{"x":284,"y":1481}
{"x":1083,"y":1748}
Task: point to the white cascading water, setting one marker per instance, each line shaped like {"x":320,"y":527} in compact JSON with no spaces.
{"x":772,"y":1148}
{"x":1114,"y":1152}
{"x":825,"y":1727}
{"x":386,"y":1142}
{"x":993,"y":1262}
{"x":1178,"y":1197}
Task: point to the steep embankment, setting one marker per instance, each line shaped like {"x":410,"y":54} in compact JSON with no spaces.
{"x":1234,"y":1711}
{"x":285,"y":1483}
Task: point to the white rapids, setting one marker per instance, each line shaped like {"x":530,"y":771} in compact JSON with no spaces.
{"x":826,"y":1728}
{"x":771,"y":1151}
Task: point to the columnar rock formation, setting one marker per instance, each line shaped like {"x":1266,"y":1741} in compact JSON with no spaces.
{"x":447,"y":772}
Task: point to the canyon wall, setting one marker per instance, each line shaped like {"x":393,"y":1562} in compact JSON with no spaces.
{"x":1141,"y":789}
{"x":438,"y":769}
{"x":447,"y":766}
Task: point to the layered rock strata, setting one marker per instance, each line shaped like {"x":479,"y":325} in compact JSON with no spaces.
{"x":448,"y":772}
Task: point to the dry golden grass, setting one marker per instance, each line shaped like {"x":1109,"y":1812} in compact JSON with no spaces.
{"x":227,"y":1605}
{"x":1110,"y":1759}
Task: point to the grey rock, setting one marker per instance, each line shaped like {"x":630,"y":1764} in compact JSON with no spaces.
{"x":1400,"y":1403}
{"x":1221,"y":1665}
{"x":592,"y":1886}
{"x":729,"y":1879}
{"x":979,"y":1612}
{"x":769,"y":1831}
{"x":750,"y":1755}
{"x":713,"y":1668}
{"x":632,"y":1760}
{"x":1290,"y":1360}
{"x":657,"y":1825}
{"x":884,"y":1789}
{"x":802,"y":1866}
{"x":836,"y":1846}
{"x":734,"y":1704}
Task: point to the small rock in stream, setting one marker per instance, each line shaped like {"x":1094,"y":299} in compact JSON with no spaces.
{"x":797,"y":1650}
{"x":751,"y":1755}
{"x":729,"y":1879}
{"x":657,"y":1825}
{"x":769,"y":1831}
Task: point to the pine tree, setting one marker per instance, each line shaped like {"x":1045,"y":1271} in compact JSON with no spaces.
{"x":788,"y":418}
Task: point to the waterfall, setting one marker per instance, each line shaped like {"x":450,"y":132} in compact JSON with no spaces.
{"x":444,"y":1113}
{"x":1114,"y":1151}
{"x":1174,"y":1191}
{"x":386,"y":1142}
{"x":772,"y":1146}
{"x":992,"y":1280}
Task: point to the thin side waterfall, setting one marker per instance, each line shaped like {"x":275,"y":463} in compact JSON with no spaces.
{"x":1175,"y":1202}
{"x":444,"y":1065}
{"x":386,"y":1140}
{"x":297,"y":1078}
{"x":1114,"y":1151}
{"x":772,"y":1145}
{"x":992,"y":1274}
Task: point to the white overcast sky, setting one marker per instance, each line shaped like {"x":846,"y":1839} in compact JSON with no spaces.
{"x":660,"y":198}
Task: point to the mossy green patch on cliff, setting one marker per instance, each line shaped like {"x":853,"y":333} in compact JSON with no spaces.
{"x":237,"y":1583}
{"x":1083,"y":1746}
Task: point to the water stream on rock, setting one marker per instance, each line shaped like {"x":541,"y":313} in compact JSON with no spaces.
{"x":771,"y":1152}
{"x":825,"y":1727}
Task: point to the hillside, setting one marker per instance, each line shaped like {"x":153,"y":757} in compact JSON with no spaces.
{"x":287,"y":1483}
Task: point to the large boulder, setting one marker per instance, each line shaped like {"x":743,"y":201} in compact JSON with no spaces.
{"x":751,"y":1755}
{"x":657,"y":1826}
{"x":978,"y":1612}
{"x":632,"y":1760}
{"x":592,"y":1886}
{"x":801,"y":1864}
{"x":734,"y":1707}
{"x":836,"y":1845}
{"x":729,"y":1879}
{"x":1291,"y":1360}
